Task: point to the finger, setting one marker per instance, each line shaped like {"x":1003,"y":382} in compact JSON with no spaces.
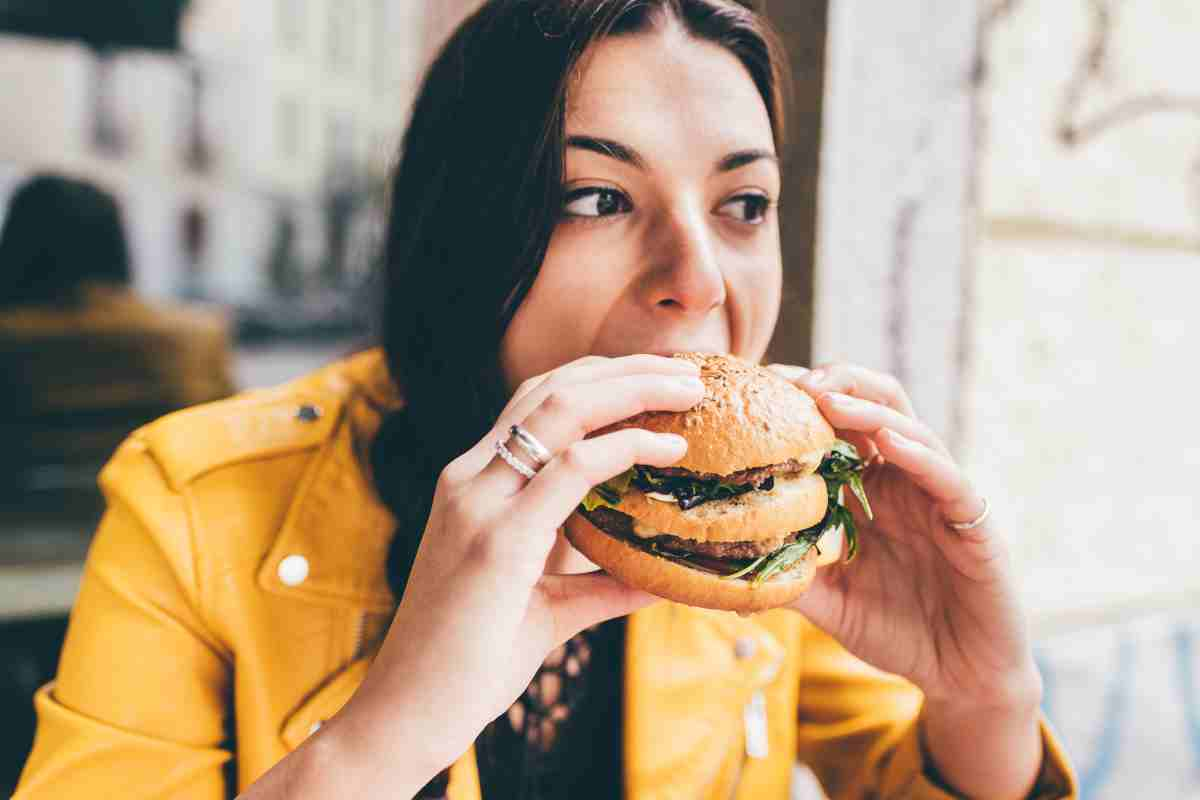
{"x":852,"y":379}
{"x":853,"y":414}
{"x":571,"y":413}
{"x":587,"y":369}
{"x":577,"y":602}
{"x":556,"y":491}
{"x":937,"y":474}
{"x":863,"y":444}
{"x":533,"y":392}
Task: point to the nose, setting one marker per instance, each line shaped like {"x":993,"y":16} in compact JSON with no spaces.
{"x":686,"y":276}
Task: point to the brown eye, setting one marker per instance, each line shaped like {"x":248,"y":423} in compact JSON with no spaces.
{"x":751,"y":208}
{"x":596,"y":201}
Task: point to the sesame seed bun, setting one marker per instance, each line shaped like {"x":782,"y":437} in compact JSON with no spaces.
{"x":750,"y":419}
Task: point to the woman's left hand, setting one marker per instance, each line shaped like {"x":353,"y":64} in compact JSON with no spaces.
{"x":920,"y":599}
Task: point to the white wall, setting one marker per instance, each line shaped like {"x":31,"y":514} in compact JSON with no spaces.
{"x":1082,"y":389}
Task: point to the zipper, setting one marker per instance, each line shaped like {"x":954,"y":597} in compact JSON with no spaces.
{"x":360,"y":629}
{"x":756,"y":744}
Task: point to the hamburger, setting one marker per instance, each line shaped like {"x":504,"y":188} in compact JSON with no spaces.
{"x":742,"y":522}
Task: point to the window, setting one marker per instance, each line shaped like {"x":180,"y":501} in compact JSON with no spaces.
{"x":107,"y":133}
{"x":340,"y":143}
{"x":288,"y":133}
{"x":342,"y":20}
{"x":291,"y":20}
{"x":380,"y":40}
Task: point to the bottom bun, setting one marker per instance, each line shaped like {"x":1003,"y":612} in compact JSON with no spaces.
{"x":673,"y":581}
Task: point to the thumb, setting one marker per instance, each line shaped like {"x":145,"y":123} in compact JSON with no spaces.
{"x":577,"y":602}
{"x":822,"y":603}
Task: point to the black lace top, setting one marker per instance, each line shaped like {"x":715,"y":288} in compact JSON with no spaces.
{"x":562,"y":738}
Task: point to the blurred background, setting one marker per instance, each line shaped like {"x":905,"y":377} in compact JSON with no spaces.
{"x":998,"y":202}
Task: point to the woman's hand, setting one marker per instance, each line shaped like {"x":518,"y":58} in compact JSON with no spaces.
{"x":479,"y":614}
{"x":923,"y":600}
{"x":920,"y":599}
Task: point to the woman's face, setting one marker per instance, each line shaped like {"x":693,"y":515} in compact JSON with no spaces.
{"x":669,"y":238}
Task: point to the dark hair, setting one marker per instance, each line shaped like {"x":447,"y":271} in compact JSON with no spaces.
{"x":474,"y":200}
{"x":59,"y":234}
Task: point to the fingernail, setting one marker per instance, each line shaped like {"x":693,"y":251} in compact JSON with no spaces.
{"x":897,"y":439}
{"x":816,"y":377}
{"x":674,"y":439}
{"x":838,"y":399}
{"x":789,"y":371}
{"x":691,"y":384}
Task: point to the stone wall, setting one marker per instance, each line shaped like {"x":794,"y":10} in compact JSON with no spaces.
{"x":1082,"y":374}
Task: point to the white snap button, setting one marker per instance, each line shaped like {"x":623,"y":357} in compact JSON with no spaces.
{"x":744,"y":647}
{"x":293,"y":570}
{"x":316,"y":726}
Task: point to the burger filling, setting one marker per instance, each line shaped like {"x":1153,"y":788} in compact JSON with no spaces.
{"x":754,"y":561}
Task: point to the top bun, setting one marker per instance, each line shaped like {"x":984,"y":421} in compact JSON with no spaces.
{"x":749,"y":417}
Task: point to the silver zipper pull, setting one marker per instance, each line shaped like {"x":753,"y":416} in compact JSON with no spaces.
{"x":755,"y":717}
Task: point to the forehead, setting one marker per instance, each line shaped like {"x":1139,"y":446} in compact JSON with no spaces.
{"x":667,"y":85}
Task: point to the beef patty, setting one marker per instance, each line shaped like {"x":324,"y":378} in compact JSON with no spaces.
{"x":617,"y":524}
{"x":755,"y":475}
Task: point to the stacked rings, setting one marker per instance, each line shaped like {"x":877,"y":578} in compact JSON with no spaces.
{"x":530,"y":445}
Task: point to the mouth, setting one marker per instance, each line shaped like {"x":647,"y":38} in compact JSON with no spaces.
{"x":667,"y":352}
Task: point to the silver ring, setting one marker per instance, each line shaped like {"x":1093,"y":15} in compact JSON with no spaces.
{"x":529,"y":443}
{"x":514,"y":462}
{"x":975,"y":523}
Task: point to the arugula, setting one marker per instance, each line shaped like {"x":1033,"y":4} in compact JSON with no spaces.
{"x":610,"y":492}
{"x":841,"y":467}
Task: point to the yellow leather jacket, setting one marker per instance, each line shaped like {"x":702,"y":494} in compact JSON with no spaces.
{"x":235,"y":591}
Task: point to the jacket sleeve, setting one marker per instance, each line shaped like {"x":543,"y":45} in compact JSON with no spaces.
{"x":859,"y":732}
{"x":138,"y":707}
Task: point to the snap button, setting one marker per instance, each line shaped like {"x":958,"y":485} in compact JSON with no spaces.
{"x":744,"y":647}
{"x":293,"y":570}
{"x":308,"y":413}
{"x":316,"y":726}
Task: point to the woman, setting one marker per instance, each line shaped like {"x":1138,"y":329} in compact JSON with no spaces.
{"x":585,"y":186}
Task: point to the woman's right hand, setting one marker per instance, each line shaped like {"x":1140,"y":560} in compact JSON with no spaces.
{"x":479,"y":614}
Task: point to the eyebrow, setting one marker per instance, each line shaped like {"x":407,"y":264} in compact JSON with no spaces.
{"x":627,"y":155}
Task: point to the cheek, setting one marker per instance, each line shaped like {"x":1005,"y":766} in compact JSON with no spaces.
{"x":755,"y":295}
{"x":560,"y":316}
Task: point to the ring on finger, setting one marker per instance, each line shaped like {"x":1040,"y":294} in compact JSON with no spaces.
{"x":530,"y":444}
{"x":517,"y":464}
{"x":975,"y":523}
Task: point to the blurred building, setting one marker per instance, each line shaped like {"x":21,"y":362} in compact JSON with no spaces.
{"x":243,"y":158}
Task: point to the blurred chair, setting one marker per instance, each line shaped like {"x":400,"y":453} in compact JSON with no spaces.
{"x":85,"y":360}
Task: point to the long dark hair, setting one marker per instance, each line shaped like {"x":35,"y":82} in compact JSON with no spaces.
{"x":474,"y":200}
{"x":59,"y":234}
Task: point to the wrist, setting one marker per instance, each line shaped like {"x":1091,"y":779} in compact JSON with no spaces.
{"x":375,"y":760}
{"x":1016,"y":693}
{"x":983,"y":750}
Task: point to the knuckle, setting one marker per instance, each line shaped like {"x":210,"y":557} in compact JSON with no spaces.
{"x":463,"y":511}
{"x":559,"y":402}
{"x":448,"y":478}
{"x":894,"y":388}
{"x":575,"y":458}
{"x":453,"y":474}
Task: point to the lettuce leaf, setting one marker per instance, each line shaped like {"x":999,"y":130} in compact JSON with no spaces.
{"x":608,"y":493}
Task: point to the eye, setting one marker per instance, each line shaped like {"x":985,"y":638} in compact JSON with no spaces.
{"x":596,"y":201}
{"x":751,"y":208}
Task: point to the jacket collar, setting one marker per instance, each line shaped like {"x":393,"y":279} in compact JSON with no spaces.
{"x":336,"y":521}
